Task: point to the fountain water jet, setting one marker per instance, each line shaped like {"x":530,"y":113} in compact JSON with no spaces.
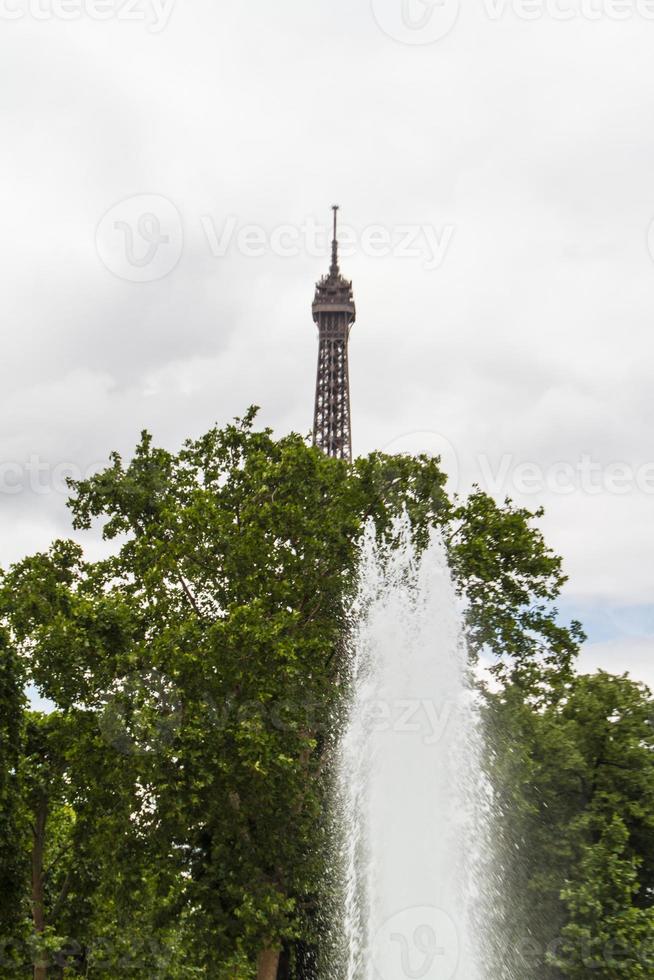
{"x":408,"y":774}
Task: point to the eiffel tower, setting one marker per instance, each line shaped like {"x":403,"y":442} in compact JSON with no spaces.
{"x":334,"y":313}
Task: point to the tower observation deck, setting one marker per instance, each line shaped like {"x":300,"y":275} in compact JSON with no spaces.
{"x":334,"y":313}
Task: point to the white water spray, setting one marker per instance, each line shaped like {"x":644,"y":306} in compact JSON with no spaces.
{"x":408,"y":771}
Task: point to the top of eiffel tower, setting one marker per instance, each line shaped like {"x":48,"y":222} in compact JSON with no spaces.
{"x":334,"y":292}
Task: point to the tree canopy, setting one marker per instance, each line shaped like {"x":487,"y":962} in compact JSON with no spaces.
{"x":169,"y":815}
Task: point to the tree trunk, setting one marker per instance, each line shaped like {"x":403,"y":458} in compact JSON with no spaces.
{"x":267,"y":966}
{"x":38,"y":890}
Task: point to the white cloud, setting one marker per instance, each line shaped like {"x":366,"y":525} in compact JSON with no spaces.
{"x":634,"y":655}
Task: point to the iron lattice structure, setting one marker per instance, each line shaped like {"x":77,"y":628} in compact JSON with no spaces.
{"x":334,"y":313}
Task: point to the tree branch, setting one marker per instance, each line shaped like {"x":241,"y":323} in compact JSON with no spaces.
{"x":61,"y":898}
{"x":189,"y":594}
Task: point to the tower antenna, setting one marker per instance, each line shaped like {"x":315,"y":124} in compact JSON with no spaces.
{"x":334,"y":267}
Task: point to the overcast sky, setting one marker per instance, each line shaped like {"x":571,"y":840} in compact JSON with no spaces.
{"x":168,"y":170}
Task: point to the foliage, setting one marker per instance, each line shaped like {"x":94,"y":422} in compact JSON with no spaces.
{"x":11,"y":738}
{"x":198,"y":680}
{"x":574,"y":783}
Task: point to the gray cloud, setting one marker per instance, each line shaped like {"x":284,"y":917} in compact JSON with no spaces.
{"x":532,"y":340}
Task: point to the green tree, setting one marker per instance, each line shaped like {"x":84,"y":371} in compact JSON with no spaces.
{"x":210,"y":650}
{"x":574,"y":794}
{"x":81,"y":836}
{"x":12,"y":869}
